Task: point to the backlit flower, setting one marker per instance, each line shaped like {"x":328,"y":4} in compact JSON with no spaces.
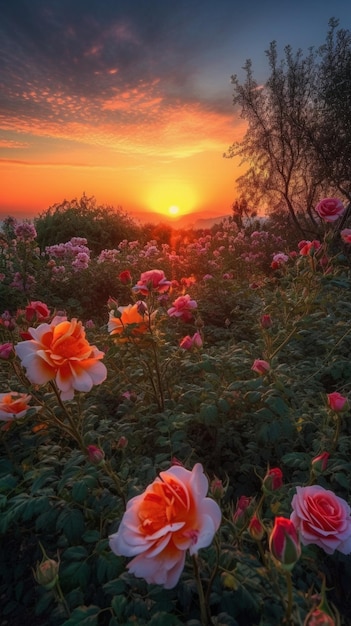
{"x":188,"y":343}
{"x":173,"y":515}
{"x":182,"y":308}
{"x":153,"y":280}
{"x":60,"y":351}
{"x":129,"y":322}
{"x":330,"y":209}
{"x":36,"y":311}
{"x":13,"y":405}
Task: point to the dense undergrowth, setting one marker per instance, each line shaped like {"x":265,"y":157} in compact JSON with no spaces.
{"x":267,"y":345}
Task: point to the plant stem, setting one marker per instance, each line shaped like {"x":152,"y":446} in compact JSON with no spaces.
{"x":205,"y":620}
{"x":337,"y":432}
{"x":290,"y":597}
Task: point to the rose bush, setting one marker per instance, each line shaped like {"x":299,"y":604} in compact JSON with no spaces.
{"x":322,"y":518}
{"x":172,"y":516}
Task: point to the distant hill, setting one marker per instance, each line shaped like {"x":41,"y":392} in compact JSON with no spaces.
{"x":196,"y":220}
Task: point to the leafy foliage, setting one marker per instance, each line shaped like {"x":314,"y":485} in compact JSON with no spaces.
{"x":161,"y":405}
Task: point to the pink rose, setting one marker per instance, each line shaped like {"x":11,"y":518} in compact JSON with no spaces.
{"x":346,"y":235}
{"x":188,"y":343}
{"x":260,"y":366}
{"x":330,"y":209}
{"x":337,"y":402}
{"x":308,"y":248}
{"x":322,"y":518}
{"x":6,"y":350}
{"x":153,"y":280}
{"x":36,"y":311}
{"x":173,"y":515}
{"x":182,"y":308}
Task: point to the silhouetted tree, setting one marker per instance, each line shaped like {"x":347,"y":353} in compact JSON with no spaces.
{"x":290,"y":129}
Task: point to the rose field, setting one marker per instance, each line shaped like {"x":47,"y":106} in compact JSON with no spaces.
{"x":175,"y":428}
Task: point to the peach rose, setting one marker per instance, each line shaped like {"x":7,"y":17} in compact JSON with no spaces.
{"x":322,"y":518}
{"x":330,"y":209}
{"x":13,"y":405}
{"x":172,"y":516}
{"x":129,"y":322}
{"x":60,"y":351}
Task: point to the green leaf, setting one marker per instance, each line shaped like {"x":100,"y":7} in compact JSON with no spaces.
{"x":208,"y":413}
{"x":74,"y":574}
{"x":84,"y":615}
{"x":75,"y":553}
{"x":71,"y":522}
{"x":80,"y":491}
{"x":277,"y":405}
{"x":161,"y":618}
{"x":118,"y":604}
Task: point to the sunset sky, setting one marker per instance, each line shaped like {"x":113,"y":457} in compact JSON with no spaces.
{"x":130,"y":101}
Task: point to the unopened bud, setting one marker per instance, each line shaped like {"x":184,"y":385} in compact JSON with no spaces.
{"x":46,"y":573}
{"x":95,"y":455}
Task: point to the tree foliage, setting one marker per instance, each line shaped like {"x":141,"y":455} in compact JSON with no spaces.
{"x":298,"y":136}
{"x":103,"y":226}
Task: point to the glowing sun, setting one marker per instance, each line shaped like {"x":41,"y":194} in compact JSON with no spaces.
{"x":173,"y":210}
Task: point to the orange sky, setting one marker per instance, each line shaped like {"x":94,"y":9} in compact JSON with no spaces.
{"x":176,"y":161}
{"x":131,"y":102}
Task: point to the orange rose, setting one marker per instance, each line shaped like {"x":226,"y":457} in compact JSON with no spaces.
{"x":60,"y":351}
{"x":128,"y":322}
{"x":13,"y":405}
{"x":172,"y":516}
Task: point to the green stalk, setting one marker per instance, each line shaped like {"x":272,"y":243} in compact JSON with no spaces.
{"x":205,"y":620}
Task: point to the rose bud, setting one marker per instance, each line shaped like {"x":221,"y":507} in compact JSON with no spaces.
{"x":46,"y":573}
{"x":284,"y":543}
{"x":319,"y":463}
{"x":273,"y":480}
